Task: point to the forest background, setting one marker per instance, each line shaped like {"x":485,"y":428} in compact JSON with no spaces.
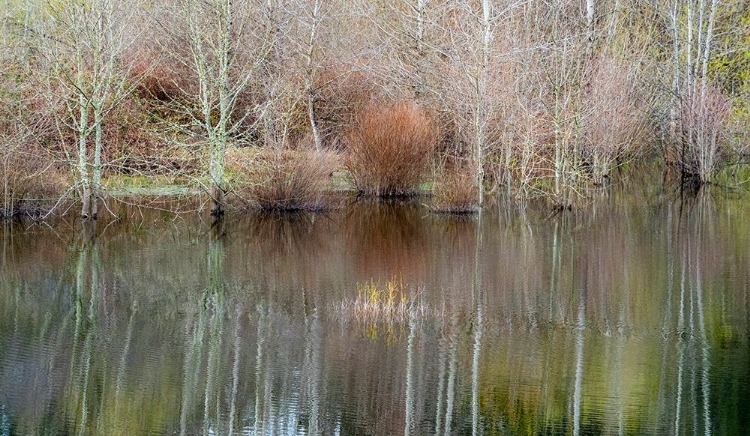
{"x":272,"y":104}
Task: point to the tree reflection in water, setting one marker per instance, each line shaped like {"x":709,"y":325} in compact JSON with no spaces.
{"x":626,"y":321}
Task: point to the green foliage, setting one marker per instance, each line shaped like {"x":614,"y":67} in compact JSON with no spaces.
{"x":734,"y":176}
{"x":731,"y":67}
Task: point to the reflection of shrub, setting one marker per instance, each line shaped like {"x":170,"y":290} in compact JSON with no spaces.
{"x":287,"y":180}
{"x":455,"y":192}
{"x":389,"y":148}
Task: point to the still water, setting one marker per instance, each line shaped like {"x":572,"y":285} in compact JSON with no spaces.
{"x":627,"y":317}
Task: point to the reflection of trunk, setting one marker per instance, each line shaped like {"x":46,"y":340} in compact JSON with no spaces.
{"x":680,"y":347}
{"x":666,"y":325}
{"x":411,"y":344}
{"x":195,"y":330}
{"x":87,"y":268}
{"x":556,"y":264}
{"x":7,"y":236}
{"x":693,"y":351}
{"x":618,"y":372}
{"x":261,"y":393}
{"x":442,"y":352}
{"x":478,"y":302}
{"x":313,"y":370}
{"x":211,"y":399}
{"x":451,"y":394}
{"x":705,"y":348}
{"x":532,"y":309}
{"x":697,"y":289}
{"x":209,"y":326}
{"x":216,"y":330}
{"x":475,"y":371}
{"x":623,"y":324}
{"x":579,"y":367}
{"x":235,"y":373}
{"x":692,"y":369}
{"x":124,"y":360}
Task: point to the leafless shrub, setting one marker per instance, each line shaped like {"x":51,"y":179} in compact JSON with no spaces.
{"x":340,"y":95}
{"x":389,"y":148}
{"x":455,"y":191}
{"x":159,"y":68}
{"x":614,"y":118}
{"x":30,"y":183}
{"x":135,"y":145}
{"x":704,"y":118}
{"x":285,"y":180}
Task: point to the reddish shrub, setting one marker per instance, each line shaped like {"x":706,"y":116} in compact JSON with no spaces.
{"x":389,"y":148}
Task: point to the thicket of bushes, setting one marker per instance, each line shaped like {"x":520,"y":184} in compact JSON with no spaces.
{"x":397,"y":108}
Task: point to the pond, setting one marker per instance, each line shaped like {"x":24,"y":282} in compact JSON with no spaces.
{"x":629,"y":316}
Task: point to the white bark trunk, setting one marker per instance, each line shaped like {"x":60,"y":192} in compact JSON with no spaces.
{"x":310,"y":76}
{"x":689,"y":50}
{"x":709,"y":40}
{"x":674,"y":97}
{"x":83,"y":165}
{"x":590,"y":22}
{"x":480,"y":116}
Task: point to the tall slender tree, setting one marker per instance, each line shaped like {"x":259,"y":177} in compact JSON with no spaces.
{"x":87,"y":41}
{"x":223,"y":54}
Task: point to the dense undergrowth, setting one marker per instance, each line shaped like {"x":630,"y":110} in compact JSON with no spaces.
{"x":191,"y":100}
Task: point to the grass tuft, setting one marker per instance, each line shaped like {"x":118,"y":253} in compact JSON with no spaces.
{"x":387,"y":308}
{"x":387,"y":304}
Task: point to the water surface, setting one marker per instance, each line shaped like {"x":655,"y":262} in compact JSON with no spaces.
{"x":627,"y":317}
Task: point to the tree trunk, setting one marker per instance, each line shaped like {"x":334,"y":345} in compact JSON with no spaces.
{"x":310,"y":76}
{"x":481,"y":89}
{"x":590,"y":24}
{"x":217,"y":197}
{"x":83,"y":166}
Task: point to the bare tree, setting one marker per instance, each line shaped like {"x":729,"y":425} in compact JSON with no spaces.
{"x":13,"y":130}
{"x":471,"y":36}
{"x":563,"y":73}
{"x":614,"y":123}
{"x":315,"y":17}
{"x":223,"y":53}
{"x":87,"y":41}
{"x":697,"y":129}
{"x":704,"y":116}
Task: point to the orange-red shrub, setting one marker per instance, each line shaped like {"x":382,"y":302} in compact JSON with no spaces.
{"x":389,"y":148}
